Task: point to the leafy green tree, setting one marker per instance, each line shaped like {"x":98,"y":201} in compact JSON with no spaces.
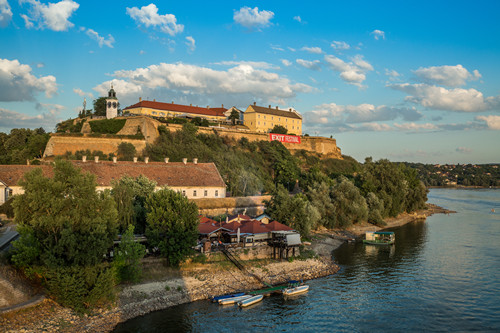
{"x":375,"y":209}
{"x":349,"y":206}
{"x":234,"y":116}
{"x":319,"y":197}
{"x":127,"y":260}
{"x":126,"y":151}
{"x":278,"y":129}
{"x":100,"y":106}
{"x":172,"y":224}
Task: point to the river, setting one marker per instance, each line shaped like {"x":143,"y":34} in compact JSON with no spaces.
{"x":441,"y":275}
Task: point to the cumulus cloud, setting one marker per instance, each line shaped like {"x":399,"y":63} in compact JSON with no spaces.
{"x":451,"y":76}
{"x":313,"y":65}
{"x":286,"y":63}
{"x":392,"y":74}
{"x":54,"y":16}
{"x":353,"y":72}
{"x":254,"y":64}
{"x":99,"y":39}
{"x":17,"y":83}
{"x":190,"y":83}
{"x":82,"y":93}
{"x":314,"y":49}
{"x":297,"y":18}
{"x":47,"y":119}
{"x":191,"y":44}
{"x":252,"y":17}
{"x":340,"y":46}
{"x":378,"y":34}
{"x":416,"y":127}
{"x":149,"y":17}
{"x":457,"y":99}
{"x":493,"y":122}
{"x":5,"y":13}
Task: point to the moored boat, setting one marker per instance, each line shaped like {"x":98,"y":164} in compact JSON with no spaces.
{"x":295,"y":290}
{"x":380,"y":238}
{"x":232,"y":300}
{"x":250,"y":301}
{"x":218,"y":298}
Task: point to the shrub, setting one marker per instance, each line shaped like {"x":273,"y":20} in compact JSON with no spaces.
{"x":107,"y":126}
{"x":128,"y":257}
{"x":200,"y":259}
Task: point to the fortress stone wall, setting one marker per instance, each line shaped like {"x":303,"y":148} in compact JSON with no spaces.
{"x":59,"y":144}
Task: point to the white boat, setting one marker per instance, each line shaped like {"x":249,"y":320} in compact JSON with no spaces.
{"x":250,"y":301}
{"x":295,"y":290}
{"x":233,"y":300}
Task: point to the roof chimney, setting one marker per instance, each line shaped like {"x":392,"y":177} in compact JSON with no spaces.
{"x":135,"y":159}
{"x":190,"y":104}
{"x":184,"y":160}
{"x":269,"y":106}
{"x":276,"y":107}
{"x":290,"y":109}
{"x":114,"y":159}
{"x":172,"y":102}
{"x":195,"y":160}
{"x":84,"y":158}
{"x":140,"y":99}
{"x":208,"y":106}
{"x":254,"y":103}
{"x":154,"y":99}
{"x":146,"y":160}
{"x":223,"y":106}
{"x":96,"y":159}
{"x":166,"y":160}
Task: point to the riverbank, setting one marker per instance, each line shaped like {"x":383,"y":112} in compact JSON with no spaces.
{"x":164,"y":287}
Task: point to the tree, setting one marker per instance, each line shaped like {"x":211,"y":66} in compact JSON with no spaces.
{"x":100,"y":106}
{"x":128,"y":257}
{"x":349,"y":206}
{"x":126,"y":151}
{"x":234,"y":116}
{"x":278,"y":129}
{"x":172,"y":224}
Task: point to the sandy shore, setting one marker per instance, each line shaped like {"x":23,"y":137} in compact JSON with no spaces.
{"x":193,"y":283}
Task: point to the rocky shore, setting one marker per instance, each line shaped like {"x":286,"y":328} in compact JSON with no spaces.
{"x":196,"y":282}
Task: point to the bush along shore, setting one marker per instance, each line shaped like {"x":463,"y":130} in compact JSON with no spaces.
{"x":164,"y":287}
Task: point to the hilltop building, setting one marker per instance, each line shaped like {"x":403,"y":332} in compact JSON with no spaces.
{"x":194,"y":180}
{"x":171,"y":110}
{"x":111,"y":104}
{"x":262,"y":119}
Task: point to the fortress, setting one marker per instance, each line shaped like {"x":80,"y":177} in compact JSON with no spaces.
{"x":59,"y":144}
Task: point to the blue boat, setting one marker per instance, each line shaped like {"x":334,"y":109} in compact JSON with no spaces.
{"x":216,"y":299}
{"x":232,"y":300}
{"x":250,"y":301}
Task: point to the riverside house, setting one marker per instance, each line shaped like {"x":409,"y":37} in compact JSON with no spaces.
{"x":192,"y":179}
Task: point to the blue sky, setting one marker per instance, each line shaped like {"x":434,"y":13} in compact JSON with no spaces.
{"x":403,"y":80}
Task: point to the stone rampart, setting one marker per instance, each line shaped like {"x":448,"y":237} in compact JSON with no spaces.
{"x":60,"y":144}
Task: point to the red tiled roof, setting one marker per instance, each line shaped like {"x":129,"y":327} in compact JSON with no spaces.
{"x":173,"y":174}
{"x":219,"y":112}
{"x":276,"y":226}
{"x":276,"y":112}
{"x":239,"y":217}
{"x":204,"y":219}
{"x":232,"y":226}
{"x":253,"y":227}
{"x":209,"y":228}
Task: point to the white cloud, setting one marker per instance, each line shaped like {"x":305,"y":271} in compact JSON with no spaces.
{"x":451,"y":76}
{"x":340,"y":46}
{"x":191,"y":44}
{"x":252,"y":17}
{"x":54,"y":16}
{"x":277,"y":48}
{"x":416,"y":127}
{"x":82,"y":93}
{"x":11,"y":119}
{"x":377,"y":34}
{"x":297,"y":18}
{"x":493,"y":122}
{"x":99,"y":39}
{"x":313,"y":65}
{"x":254,"y":64}
{"x":457,"y":99}
{"x":149,"y":17}
{"x":314,"y":49}
{"x":375,"y":127}
{"x":17,"y":83}
{"x":5,"y":13}
{"x":392,"y":74}
{"x":464,"y":150}
{"x":286,"y":63}
{"x":190,"y":83}
{"x":353,"y":72}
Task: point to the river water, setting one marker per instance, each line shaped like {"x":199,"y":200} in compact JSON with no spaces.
{"x":441,"y":275}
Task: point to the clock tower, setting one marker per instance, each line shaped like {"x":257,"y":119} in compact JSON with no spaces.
{"x":111,"y":104}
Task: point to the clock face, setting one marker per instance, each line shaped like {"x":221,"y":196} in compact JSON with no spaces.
{"x":114,"y":105}
{"x":109,"y":104}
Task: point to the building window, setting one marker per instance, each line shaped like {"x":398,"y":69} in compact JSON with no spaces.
{"x":272,"y":118}
{"x":184,"y":192}
{"x":216,"y":193}
{"x":194,"y":193}
{"x":206,"y":193}
{"x":258,"y":115}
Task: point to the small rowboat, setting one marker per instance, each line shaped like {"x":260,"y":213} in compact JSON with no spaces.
{"x":232,"y":300}
{"x":218,"y":298}
{"x":250,"y":301}
{"x":295,"y":290}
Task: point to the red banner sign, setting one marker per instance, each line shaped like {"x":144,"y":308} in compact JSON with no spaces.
{"x":284,"y":138}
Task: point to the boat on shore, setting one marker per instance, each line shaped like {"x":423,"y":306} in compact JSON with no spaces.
{"x":379,"y":238}
{"x":232,"y":300}
{"x":250,"y":301}
{"x":295,"y":290}
{"x":216,"y":299}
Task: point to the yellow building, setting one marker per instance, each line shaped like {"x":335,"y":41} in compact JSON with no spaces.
{"x":171,"y":110}
{"x":262,"y":119}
